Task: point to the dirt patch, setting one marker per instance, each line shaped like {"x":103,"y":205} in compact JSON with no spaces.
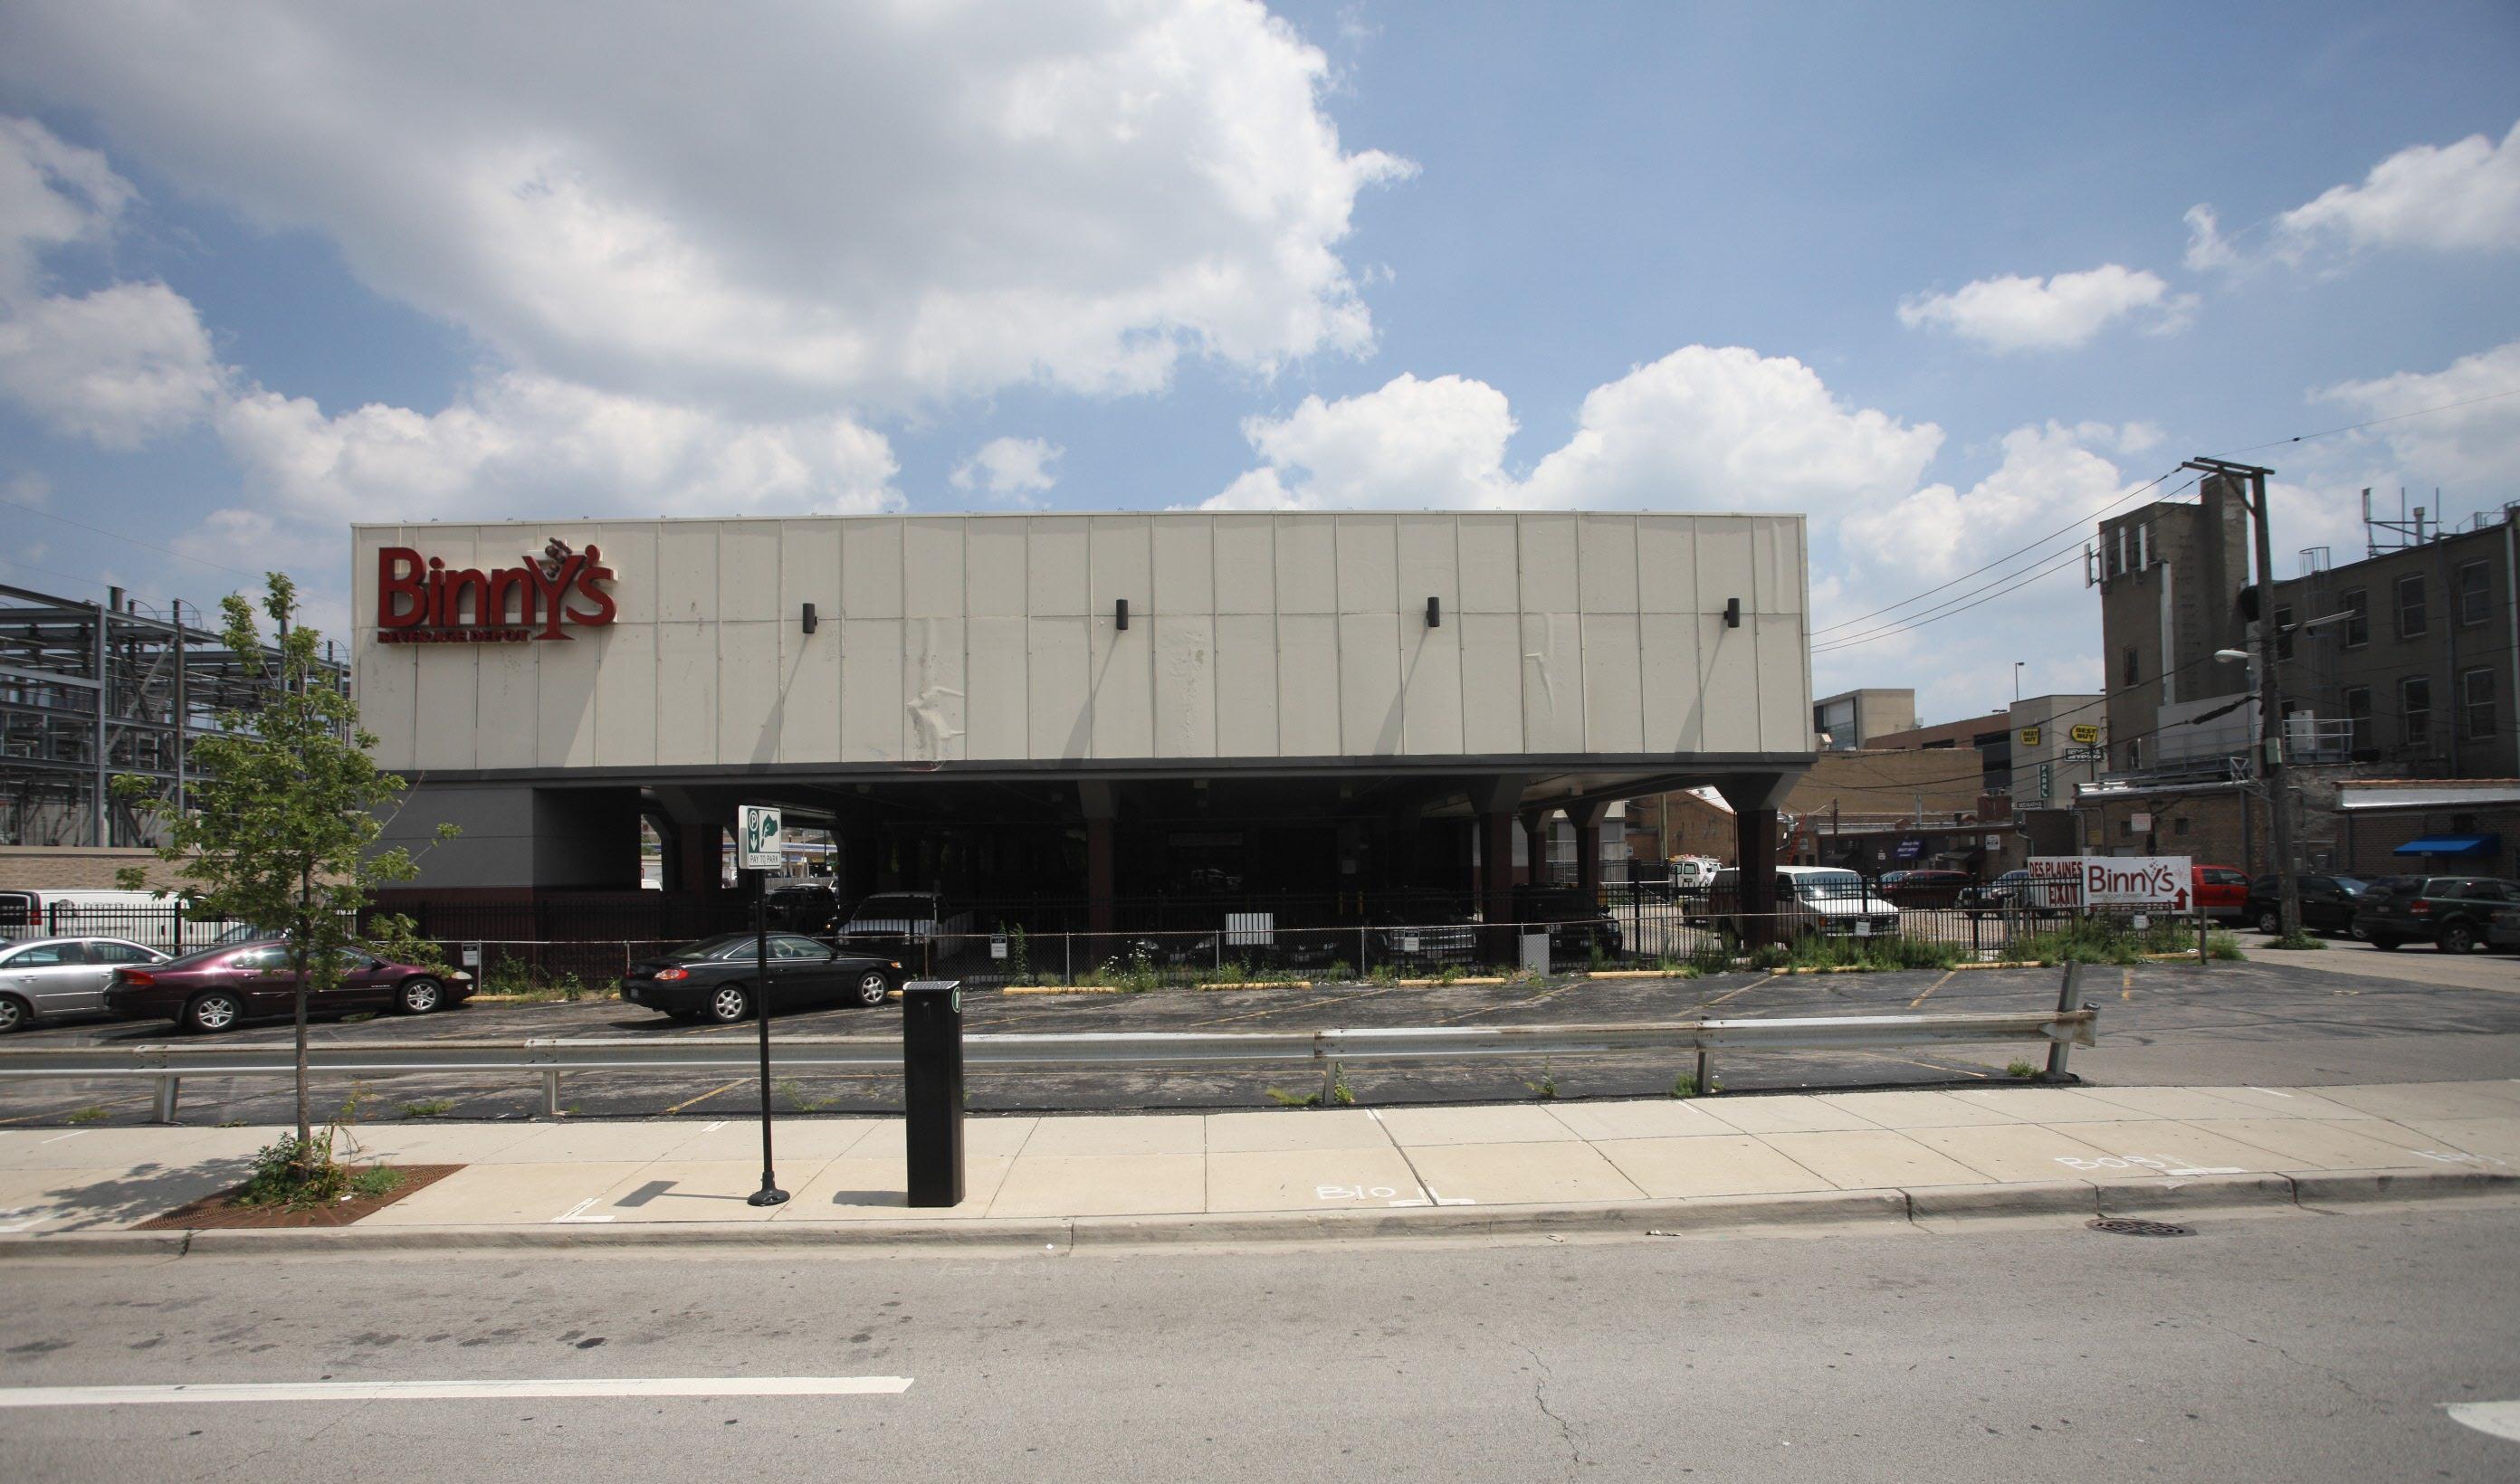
{"x":221,"y":1212}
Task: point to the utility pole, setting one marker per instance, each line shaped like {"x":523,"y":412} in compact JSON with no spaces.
{"x":2252,"y":481}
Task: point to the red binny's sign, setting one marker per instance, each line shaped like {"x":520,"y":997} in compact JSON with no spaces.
{"x":422,"y":600}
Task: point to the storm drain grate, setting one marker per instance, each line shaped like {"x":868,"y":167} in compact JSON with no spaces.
{"x":2128,"y":1226}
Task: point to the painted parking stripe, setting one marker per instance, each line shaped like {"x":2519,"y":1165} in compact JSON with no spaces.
{"x":2500,"y":1419}
{"x":444,"y":1391}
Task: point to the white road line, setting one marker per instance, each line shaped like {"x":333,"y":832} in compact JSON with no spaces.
{"x":2501,"y":1420}
{"x":445,"y":1391}
{"x":33,"y":1215}
{"x":2269,"y":1092}
{"x":577,"y":1212}
{"x":714,"y":1127}
{"x":58,"y":1137}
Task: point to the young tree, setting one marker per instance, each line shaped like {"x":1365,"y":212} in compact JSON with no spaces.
{"x":282,"y":808}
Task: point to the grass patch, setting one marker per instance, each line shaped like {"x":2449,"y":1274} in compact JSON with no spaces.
{"x":1684,"y":1085}
{"x":428,"y":1107}
{"x":2224,"y":946}
{"x":794,"y":1092}
{"x":522,"y":982}
{"x":2109,"y":940}
{"x":92,"y":1114}
{"x":2021,"y":1067}
{"x":1546,"y":1088}
{"x":2299,"y":942}
{"x":1882,"y":952}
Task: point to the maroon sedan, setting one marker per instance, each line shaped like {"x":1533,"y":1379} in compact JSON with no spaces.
{"x":214,"y":989}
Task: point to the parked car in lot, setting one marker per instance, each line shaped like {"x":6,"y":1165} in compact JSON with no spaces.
{"x":2327,"y":902}
{"x":2222,"y":891}
{"x":1577,"y":925}
{"x":893,"y":924}
{"x":2452,"y":913}
{"x":214,"y":989}
{"x":1925,"y":888}
{"x":2503,"y":933}
{"x":42,"y":978}
{"x":806,"y":907}
{"x":715,"y":979}
{"x":1821,"y":900}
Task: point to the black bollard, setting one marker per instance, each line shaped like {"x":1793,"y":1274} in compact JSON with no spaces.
{"x":931,"y":1069}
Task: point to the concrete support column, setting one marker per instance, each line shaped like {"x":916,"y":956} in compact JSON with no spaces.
{"x":1496,"y":804}
{"x":700,"y":855}
{"x":1756,"y":841}
{"x":1754,"y":799}
{"x":1100,"y":874}
{"x":1587,"y":846}
{"x":1535,"y":845}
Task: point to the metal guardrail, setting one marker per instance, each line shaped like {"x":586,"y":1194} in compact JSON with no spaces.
{"x":167,"y":1064}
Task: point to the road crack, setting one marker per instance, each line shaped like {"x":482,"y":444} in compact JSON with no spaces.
{"x":1540,"y":1399}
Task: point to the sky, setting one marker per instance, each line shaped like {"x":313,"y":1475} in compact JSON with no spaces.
{"x":1951,"y":281}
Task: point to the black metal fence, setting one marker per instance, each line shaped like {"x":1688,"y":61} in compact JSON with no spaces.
{"x":586,"y":946}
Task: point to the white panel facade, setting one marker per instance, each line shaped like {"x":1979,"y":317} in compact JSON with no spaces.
{"x":993,"y":637}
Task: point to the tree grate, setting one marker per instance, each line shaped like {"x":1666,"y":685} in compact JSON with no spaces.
{"x":2129,"y":1226}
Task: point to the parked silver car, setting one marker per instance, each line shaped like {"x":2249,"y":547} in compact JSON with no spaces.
{"x":46,"y":977}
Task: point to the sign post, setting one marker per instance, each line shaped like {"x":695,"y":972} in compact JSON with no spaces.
{"x":757,"y":853}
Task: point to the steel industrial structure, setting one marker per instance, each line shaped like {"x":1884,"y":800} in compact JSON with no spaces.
{"x":91,"y":690}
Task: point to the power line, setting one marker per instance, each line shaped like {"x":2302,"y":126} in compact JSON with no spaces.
{"x":143,"y":545}
{"x":2009,"y":555}
{"x":2010,"y":582}
{"x":2304,"y":437}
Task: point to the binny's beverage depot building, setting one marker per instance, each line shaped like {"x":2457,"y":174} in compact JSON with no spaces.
{"x":1098,"y":713}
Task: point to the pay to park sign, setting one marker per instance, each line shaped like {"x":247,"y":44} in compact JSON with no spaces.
{"x":2111,"y":880}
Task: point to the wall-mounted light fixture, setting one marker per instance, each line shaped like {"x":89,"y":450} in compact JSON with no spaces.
{"x":1120,"y":615}
{"x":1732,"y":613}
{"x":810,"y":619}
{"x":1434,"y":612}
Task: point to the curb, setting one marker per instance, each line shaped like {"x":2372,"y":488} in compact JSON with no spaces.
{"x":1679,"y":1217}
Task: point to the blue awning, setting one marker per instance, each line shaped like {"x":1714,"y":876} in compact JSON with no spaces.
{"x":2454,"y":845}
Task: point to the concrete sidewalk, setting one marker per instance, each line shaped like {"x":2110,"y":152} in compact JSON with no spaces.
{"x":1455,"y":1168}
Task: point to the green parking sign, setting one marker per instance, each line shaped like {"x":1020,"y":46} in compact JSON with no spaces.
{"x":757,"y":829}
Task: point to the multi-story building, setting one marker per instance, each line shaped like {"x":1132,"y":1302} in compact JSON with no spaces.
{"x":1852,"y":719}
{"x":2409,"y":659}
{"x":2412,"y":654}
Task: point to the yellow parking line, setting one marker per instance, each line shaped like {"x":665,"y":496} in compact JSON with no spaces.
{"x":705,"y":1097}
{"x":1744,"y":990}
{"x":1930,"y":988}
{"x":2126,"y":983}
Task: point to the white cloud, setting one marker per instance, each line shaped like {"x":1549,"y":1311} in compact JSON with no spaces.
{"x":1409,"y":443}
{"x":522,"y":442}
{"x":1013,"y":469}
{"x":2463,"y":197}
{"x":1703,"y":426}
{"x":117,"y":366}
{"x":2049,"y":481}
{"x":2015,"y":313}
{"x":898,"y":203}
{"x":2207,"y":248}
{"x":2456,"y":198}
{"x":2472,"y":451}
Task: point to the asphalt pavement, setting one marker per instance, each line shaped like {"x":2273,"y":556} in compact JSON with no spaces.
{"x":2308,"y":1346}
{"x":2348,"y":1014}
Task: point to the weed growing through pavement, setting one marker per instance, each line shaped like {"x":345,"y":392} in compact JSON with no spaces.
{"x":1546,"y":1087}
{"x":2020,"y":1068}
{"x":92,"y":1114}
{"x":1684,"y":1085}
{"x":794,"y":1092}
{"x":2297,"y":943}
{"x":428,"y":1107}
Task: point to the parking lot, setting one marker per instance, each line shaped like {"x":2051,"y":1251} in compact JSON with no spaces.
{"x":2345,"y":1014}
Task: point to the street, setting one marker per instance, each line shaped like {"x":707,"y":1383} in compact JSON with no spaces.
{"x":2309,"y":1346}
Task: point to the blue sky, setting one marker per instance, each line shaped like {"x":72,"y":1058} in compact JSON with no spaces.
{"x":1932,"y":275}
